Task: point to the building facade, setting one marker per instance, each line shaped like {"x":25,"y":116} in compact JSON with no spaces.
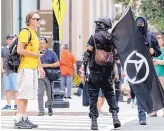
{"x":77,"y":26}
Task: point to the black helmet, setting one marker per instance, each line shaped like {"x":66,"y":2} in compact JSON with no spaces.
{"x":105,"y":20}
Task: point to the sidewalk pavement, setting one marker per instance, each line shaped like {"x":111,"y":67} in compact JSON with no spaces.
{"x":75,"y":108}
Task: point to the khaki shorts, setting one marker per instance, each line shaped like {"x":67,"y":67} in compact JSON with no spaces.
{"x":27,"y":84}
{"x":161,"y":79}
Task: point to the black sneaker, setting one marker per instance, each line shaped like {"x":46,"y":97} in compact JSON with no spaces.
{"x":50,"y":111}
{"x":22,"y":125}
{"x":129,"y":100}
{"x":142,"y":122}
{"x":41,"y":114}
{"x":30,"y":123}
{"x":69,"y":97}
{"x":77,"y":94}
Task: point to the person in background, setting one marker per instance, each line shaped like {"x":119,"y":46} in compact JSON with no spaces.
{"x":79,"y":89}
{"x":9,"y":77}
{"x":118,"y":83}
{"x":68,"y":69}
{"x":101,"y":98}
{"x":100,"y":102}
{"x":48,"y":60}
{"x":159,"y":66}
{"x":152,"y":45}
{"x":131,"y":98}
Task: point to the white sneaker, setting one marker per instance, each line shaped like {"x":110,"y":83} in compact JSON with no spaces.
{"x":133,"y":105}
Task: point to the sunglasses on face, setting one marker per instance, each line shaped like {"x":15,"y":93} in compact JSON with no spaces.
{"x":37,"y":19}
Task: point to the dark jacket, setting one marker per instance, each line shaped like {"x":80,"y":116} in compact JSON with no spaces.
{"x":150,"y":38}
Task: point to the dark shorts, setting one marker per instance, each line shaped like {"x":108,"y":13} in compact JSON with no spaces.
{"x":122,"y":80}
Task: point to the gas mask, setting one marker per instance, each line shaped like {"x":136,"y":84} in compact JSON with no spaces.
{"x":141,"y":29}
{"x":141,"y":25}
{"x":100,"y":26}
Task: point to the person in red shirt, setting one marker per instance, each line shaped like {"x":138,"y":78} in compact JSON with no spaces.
{"x":68,"y":69}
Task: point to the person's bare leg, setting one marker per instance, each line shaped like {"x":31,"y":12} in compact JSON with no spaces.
{"x":25,"y":106}
{"x":20,"y":107}
{"x":15,"y":96}
{"x":21,"y":104}
{"x":103,"y":100}
{"x":8,"y":97}
{"x":99,"y":104}
{"x":25,"y":109}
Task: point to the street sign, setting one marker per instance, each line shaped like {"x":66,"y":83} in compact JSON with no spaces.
{"x":46,"y":27}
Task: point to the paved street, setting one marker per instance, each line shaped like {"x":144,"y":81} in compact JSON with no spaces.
{"x":154,"y":124}
{"x":76,"y":118}
{"x":63,"y":123}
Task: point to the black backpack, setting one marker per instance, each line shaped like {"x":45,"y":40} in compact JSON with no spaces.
{"x":103,"y":49}
{"x":13,"y":59}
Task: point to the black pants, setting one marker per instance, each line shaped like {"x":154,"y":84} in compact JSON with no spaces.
{"x":94,"y":84}
{"x":132,"y":94}
{"x":117,"y":90}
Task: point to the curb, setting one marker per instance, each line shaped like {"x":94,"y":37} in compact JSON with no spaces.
{"x":34,"y":113}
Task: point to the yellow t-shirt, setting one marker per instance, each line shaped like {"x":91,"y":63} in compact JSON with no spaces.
{"x":29,"y":62}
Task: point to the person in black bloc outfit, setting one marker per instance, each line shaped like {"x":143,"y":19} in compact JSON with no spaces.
{"x":100,"y":70}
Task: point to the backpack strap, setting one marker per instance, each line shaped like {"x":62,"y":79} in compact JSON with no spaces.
{"x":94,"y":42}
{"x":30,"y":36}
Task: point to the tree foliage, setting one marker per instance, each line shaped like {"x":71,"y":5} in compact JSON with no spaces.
{"x":153,"y":10}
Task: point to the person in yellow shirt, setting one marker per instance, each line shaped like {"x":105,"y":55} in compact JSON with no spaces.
{"x":28,"y":70}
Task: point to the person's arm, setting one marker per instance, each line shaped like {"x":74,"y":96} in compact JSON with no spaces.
{"x":55,"y":61}
{"x":115,"y":69}
{"x":155,"y":50}
{"x":39,"y":63}
{"x":88,"y":53}
{"x":53,"y":65}
{"x":21,"y":50}
{"x":122,"y":72}
{"x":40,"y":68}
{"x":75,"y":69}
{"x":116,"y":76}
{"x":90,"y":46}
{"x":2,"y":61}
{"x":158,"y":62}
{"x":74,"y":65}
{"x":82,"y":78}
{"x":82,"y":75}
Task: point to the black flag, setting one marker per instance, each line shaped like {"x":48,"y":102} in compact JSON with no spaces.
{"x":137,"y":63}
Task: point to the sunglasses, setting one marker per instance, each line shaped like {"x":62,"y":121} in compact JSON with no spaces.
{"x":37,"y":19}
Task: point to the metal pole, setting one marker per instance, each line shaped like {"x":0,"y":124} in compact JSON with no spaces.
{"x":56,"y":42}
{"x":57,"y":93}
{"x":38,"y":4}
{"x":20,"y":14}
{"x":70,"y":25}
